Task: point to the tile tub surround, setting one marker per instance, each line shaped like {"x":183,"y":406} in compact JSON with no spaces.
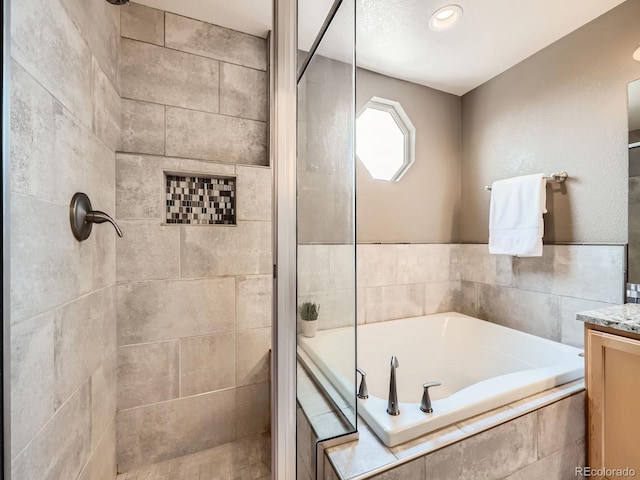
{"x":620,"y":317}
{"x":65,"y":117}
{"x":192,"y":89}
{"x":194,"y":301}
{"x":537,"y":437}
{"x":535,"y":295}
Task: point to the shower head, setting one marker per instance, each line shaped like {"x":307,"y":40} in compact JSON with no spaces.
{"x":118,"y":2}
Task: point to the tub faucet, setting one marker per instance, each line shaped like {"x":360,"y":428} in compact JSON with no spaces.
{"x":392,"y":405}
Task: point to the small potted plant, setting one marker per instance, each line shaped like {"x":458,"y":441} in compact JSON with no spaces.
{"x":309,"y":315}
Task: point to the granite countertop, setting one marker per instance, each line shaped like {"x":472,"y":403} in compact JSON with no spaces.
{"x":621,"y":317}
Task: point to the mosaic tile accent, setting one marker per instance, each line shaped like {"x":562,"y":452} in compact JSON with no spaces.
{"x":633,"y":293}
{"x":201,"y":200}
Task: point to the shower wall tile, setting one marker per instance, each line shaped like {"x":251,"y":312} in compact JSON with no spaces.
{"x":207,"y":363}
{"x":243,"y":92}
{"x":572,"y":330}
{"x":147,"y":251}
{"x":393,"y":301}
{"x":140,"y":182}
{"x":156,"y":311}
{"x":342,"y":259}
{"x":236,"y":140}
{"x":148,"y":373}
{"x":103,"y":255}
{"x":592,"y":272}
{"x":106,"y":109}
{"x":216,"y":42}
{"x":241,"y":250}
{"x":103,"y":397}
{"x":423,"y":263}
{"x":256,"y":400}
{"x":32,"y":378}
{"x":143,"y":23}
{"x":84,"y":338}
{"x":252,"y":356}
{"x":102,"y":464}
{"x":99,"y":24}
{"x":45,"y":42}
{"x":477,"y":265}
{"x":169,"y":77}
{"x":153,"y":433}
{"x":530,"y":312}
{"x":62,"y":447}
{"x":253,"y":301}
{"x":48,"y":266}
{"x":142,"y":126}
{"x":561,"y":424}
{"x":254,"y":193}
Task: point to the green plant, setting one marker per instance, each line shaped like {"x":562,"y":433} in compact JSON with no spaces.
{"x":309,"y":311}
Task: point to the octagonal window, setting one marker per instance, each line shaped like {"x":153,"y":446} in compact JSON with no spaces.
{"x":385,"y":139}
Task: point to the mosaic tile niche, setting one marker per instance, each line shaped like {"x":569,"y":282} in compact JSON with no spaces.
{"x":200,"y":200}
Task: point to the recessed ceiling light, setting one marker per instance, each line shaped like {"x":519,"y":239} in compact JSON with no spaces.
{"x":445,"y":17}
{"x":636,"y":54}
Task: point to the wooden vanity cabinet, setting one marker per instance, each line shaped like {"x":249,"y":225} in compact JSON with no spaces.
{"x":613,"y":399}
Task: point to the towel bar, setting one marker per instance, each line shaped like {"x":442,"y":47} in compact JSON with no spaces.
{"x":556,"y":177}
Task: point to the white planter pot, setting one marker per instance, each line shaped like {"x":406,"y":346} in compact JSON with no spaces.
{"x":309,"y":328}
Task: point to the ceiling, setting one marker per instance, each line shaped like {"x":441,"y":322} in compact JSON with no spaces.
{"x":394,"y":37}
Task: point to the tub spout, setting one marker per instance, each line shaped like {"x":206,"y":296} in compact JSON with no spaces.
{"x":392,"y":405}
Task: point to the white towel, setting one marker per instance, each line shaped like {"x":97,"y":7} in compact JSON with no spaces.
{"x":516,"y":226}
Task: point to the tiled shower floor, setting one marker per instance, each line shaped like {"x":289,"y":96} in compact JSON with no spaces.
{"x":245,"y":459}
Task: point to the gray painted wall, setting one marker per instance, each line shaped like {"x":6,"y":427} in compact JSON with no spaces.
{"x":65,"y":131}
{"x":194,"y":301}
{"x":424,"y":205}
{"x":564,"y":108}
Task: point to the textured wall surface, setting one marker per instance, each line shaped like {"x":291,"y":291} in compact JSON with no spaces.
{"x":424,"y":205}
{"x":194,"y":301}
{"x":564,"y":108}
{"x":65,"y":117}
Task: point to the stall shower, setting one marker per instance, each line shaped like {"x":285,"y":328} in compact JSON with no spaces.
{"x":147,"y":355}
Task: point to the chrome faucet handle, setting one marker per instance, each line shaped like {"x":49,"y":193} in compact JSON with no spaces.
{"x":392,"y":404}
{"x":394,"y":362}
{"x":363,"y":393}
{"x":425,"y":404}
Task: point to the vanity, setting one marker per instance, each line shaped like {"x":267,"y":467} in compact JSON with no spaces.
{"x":612,"y":349}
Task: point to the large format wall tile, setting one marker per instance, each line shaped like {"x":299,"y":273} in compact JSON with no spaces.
{"x":139,"y":22}
{"x":154,"y":311}
{"x":342,"y":266}
{"x":207,"y":363}
{"x":217,"y":251}
{"x":252,"y":356}
{"x":168,"y":77}
{"x":256,"y":400}
{"x":99,"y":24}
{"x":377,"y":265}
{"x":313,"y":268}
{"x":103,"y":397}
{"x":142,"y":127}
{"x":253,"y":301}
{"x":592,"y":272}
{"x":106,"y":109}
{"x":148,"y":373}
{"x":218,"y":138}
{"x":84,"y":337}
{"x":46,"y":43}
{"x":154,"y":433}
{"x":337,"y":307}
{"x":573,"y":330}
{"x":32,"y":374}
{"x":147,"y":251}
{"x":477,"y":265}
{"x":49,"y":267}
{"x":254,"y":193}
{"x":243,"y":92}
{"x":140,"y":183}
{"x":215,"y":42}
{"x":560,"y":464}
{"x":393,"y":301}
{"x":102,"y":464}
{"x":561,"y":424}
{"x":421,"y":263}
{"x":62,"y":447}
{"x":530,"y":312}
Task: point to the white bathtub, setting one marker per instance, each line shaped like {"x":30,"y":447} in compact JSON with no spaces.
{"x":481,"y":365}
